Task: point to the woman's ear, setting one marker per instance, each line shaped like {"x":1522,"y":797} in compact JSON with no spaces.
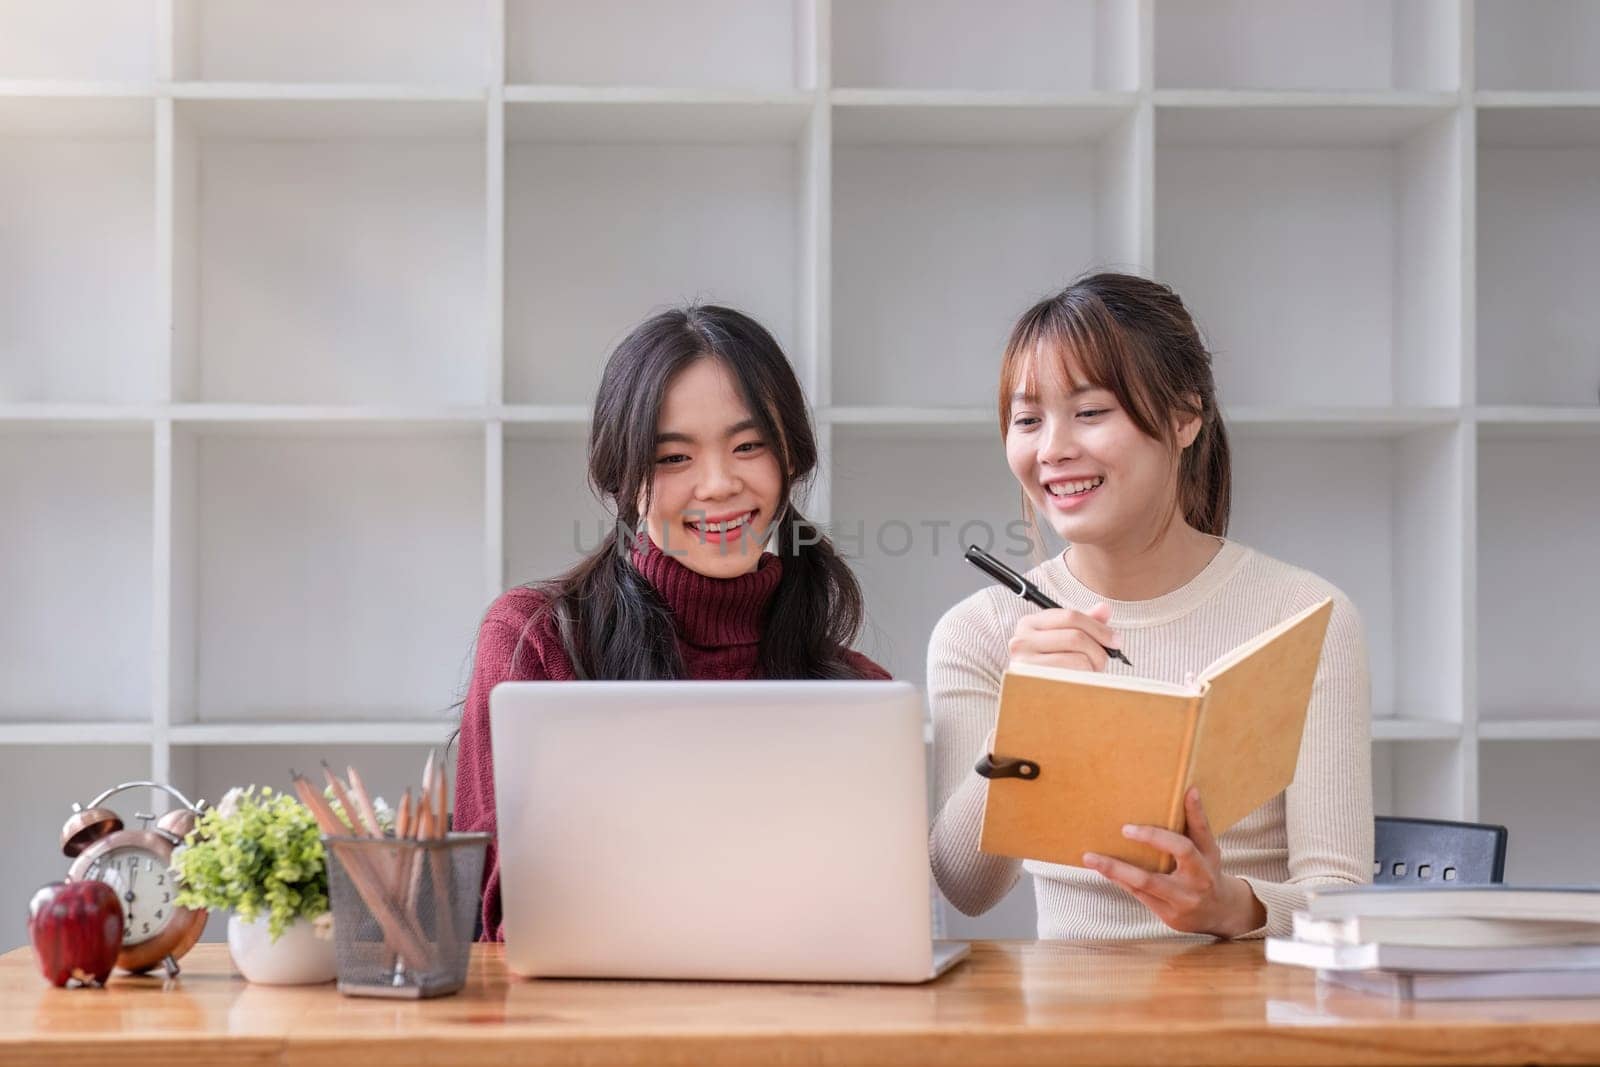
{"x":1187,"y":427}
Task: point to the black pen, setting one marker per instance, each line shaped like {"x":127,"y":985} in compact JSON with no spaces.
{"x":1021,"y":586}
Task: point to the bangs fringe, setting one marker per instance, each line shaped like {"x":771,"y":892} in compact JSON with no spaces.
{"x":1088,"y":347}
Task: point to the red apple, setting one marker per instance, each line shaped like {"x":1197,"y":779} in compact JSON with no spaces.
{"x":76,"y":928}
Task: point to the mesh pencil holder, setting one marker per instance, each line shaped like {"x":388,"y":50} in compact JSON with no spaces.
{"x":403,"y":912}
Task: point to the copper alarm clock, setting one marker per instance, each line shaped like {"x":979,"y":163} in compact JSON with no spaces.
{"x":138,"y":865}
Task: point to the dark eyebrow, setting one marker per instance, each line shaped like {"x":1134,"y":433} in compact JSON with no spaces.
{"x":732,"y":431}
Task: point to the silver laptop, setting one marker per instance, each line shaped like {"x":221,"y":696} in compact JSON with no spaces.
{"x":714,"y":830}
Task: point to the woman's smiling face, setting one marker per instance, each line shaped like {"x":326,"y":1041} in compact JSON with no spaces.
{"x":717,"y":485}
{"x":1083,"y":463}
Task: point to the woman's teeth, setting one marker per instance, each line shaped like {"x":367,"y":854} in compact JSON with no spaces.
{"x":723,"y":527}
{"x":1073,"y":488}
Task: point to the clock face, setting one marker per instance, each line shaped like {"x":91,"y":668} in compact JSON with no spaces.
{"x":145,"y":887}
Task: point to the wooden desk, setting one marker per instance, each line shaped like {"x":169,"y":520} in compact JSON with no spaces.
{"x":1011,"y":1003}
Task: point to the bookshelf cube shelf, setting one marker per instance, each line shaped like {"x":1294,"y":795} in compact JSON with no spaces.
{"x":307,"y":545}
{"x":1538,"y":45}
{"x":77,"y":176}
{"x":1055,"y":185}
{"x":1539,"y":256}
{"x":1538,"y":604}
{"x":1418,"y":779}
{"x":210,"y":770}
{"x":329,"y":252}
{"x":1319,"y":249}
{"x":1034,"y":46}
{"x":904,"y":507}
{"x":593,"y":245}
{"x":306,"y":303}
{"x":1530,"y":788}
{"x":1381,"y":519}
{"x":765,"y":45}
{"x":78,"y":40}
{"x":1301,"y":45}
{"x":78,"y":510}
{"x":552,"y":518}
{"x":421,"y":42}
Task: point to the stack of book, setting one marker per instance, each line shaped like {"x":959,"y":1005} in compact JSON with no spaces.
{"x":1447,"y":942}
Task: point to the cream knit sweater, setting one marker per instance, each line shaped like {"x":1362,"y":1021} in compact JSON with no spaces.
{"x":1318,"y":831}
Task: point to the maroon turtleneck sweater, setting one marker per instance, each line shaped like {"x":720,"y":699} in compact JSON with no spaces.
{"x":719,"y":623}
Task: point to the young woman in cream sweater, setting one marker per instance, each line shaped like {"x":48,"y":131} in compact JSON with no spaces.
{"x":1109,"y":414}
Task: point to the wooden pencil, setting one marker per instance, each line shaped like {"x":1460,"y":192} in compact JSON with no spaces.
{"x":346,"y":807}
{"x":439,"y":864}
{"x":441,"y":800}
{"x":318,"y":807}
{"x":364,"y":806}
{"x":427,"y":783}
{"x":402,"y":818}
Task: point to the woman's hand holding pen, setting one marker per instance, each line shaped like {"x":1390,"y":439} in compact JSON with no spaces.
{"x":1062,"y":637}
{"x":1196,"y":898}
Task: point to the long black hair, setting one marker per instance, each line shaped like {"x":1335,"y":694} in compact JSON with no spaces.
{"x":613,"y":624}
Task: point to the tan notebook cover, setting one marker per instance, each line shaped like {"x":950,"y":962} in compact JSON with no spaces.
{"x":1114,"y":750}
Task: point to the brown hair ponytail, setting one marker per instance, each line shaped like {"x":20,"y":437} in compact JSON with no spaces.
{"x":1133,"y":337}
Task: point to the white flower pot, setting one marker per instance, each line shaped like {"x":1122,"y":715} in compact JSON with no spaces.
{"x":299,"y":957}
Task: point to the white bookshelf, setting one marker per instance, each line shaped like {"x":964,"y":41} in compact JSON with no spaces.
{"x":306,"y":302}
{"x":1300,"y":45}
{"x":1537,"y":45}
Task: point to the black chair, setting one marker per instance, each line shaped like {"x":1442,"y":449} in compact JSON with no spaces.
{"x":1409,"y":851}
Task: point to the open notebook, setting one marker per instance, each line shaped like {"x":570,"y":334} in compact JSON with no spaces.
{"x":1100,"y":751}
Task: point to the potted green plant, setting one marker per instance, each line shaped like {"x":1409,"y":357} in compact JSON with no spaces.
{"x":260,"y":856}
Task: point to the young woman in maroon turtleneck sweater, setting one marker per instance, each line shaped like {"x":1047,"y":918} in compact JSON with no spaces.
{"x":700,"y":440}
